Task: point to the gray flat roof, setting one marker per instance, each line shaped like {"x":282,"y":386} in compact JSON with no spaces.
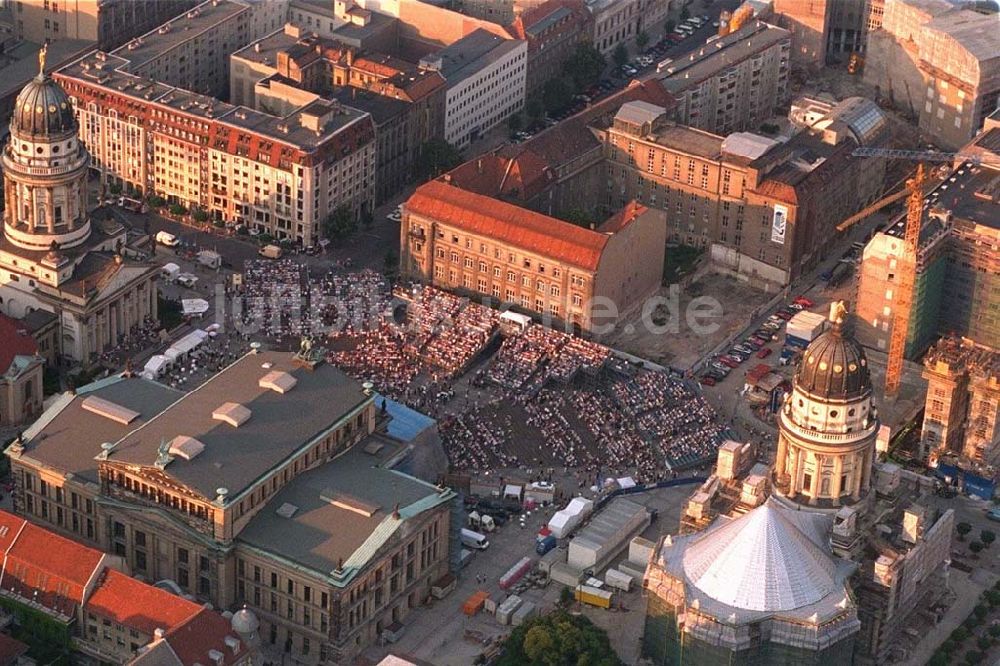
{"x":720,"y":54}
{"x":471,"y":53}
{"x":609,"y":521}
{"x":155,"y":43}
{"x":279,"y":425}
{"x":319,"y":535}
{"x":67,"y":437}
{"x":689,"y":140}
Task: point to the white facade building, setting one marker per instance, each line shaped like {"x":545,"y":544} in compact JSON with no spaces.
{"x":486,"y":78}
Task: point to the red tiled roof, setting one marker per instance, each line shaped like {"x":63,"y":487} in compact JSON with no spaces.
{"x":777,"y":190}
{"x":14,"y":341}
{"x":137,"y":605}
{"x":205,"y":631}
{"x":519,"y":28}
{"x":49,"y":569}
{"x":439,"y":201}
{"x":622,"y":218}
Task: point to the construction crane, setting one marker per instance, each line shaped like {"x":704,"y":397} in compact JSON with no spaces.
{"x":922,"y":155}
{"x":906,"y":262}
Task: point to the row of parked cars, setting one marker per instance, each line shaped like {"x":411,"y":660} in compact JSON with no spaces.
{"x":755,"y":344}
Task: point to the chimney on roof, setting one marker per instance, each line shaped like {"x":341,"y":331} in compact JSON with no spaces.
{"x":256,"y":47}
{"x":447,"y":177}
{"x":479,"y":165}
{"x":158,"y":634}
{"x":395,"y":511}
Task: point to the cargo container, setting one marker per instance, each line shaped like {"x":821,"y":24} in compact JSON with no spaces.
{"x":474,"y":602}
{"x":591,"y":595}
{"x":522,"y":614}
{"x":443,"y":586}
{"x":550,"y":558}
{"x":545,"y":545}
{"x":618,"y":579}
{"x":631,"y":570}
{"x":506,"y":609}
{"x":640,"y":551}
{"x":805,"y":326}
{"x":607,"y":534}
{"x":515,"y":573}
{"x":464,"y":558}
{"x":562,"y":572}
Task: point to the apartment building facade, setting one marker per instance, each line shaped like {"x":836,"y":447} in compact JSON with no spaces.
{"x":486,"y":77}
{"x":962,"y":408}
{"x":766,"y":210}
{"x":619,"y":22}
{"x":467,"y":242}
{"x":292,"y":67}
{"x":192,"y":50}
{"x":281,"y":175}
{"x":109,"y":23}
{"x":957,"y":288}
{"x":734,"y":83}
{"x":553,"y":30}
{"x":938,"y":61}
{"x":173,"y":505}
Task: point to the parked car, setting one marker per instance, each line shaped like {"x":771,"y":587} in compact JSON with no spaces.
{"x":707,"y":380}
{"x":753,"y":343}
{"x":994,"y":514}
{"x":730,"y":361}
{"x":764,"y":352}
{"x":785,"y":315}
{"x":761,"y":338}
{"x":802,"y":300}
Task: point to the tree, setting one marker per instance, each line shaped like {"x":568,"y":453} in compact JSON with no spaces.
{"x":579,"y":217}
{"x":960,"y":634}
{"x":436,"y":156}
{"x":992,"y":597}
{"x":973,"y":657}
{"x":994,"y":630}
{"x":538,"y":644}
{"x":558,"y":638}
{"x":534,"y":107}
{"x":984,"y":643}
{"x":620,"y":55}
{"x":642,"y":40}
{"x":199,"y":215}
{"x":963,"y":529}
{"x":976,"y":547}
{"x":685,"y":14}
{"x":585,"y":66}
{"x":115,"y":188}
{"x":177,"y":209}
{"x":987,"y":537}
{"x":514,"y":122}
{"x":390,"y":264}
{"x":981,"y":611}
{"x":566,"y":597}
{"x":340,"y":224}
{"x":939,"y":659}
{"x":556,"y":95}
{"x":670,"y":25}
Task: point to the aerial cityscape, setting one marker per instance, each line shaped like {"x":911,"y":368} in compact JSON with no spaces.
{"x":513,"y":332}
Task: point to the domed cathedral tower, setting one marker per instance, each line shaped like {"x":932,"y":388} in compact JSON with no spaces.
{"x":53,"y":258}
{"x":45,"y":172}
{"x":828,"y":424}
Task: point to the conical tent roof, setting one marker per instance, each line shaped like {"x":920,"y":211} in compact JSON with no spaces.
{"x":761,"y":561}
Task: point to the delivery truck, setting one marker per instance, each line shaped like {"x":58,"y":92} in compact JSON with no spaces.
{"x":593,"y":596}
{"x":474,"y":540}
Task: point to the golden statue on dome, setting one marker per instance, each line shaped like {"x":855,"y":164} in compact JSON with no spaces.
{"x":41,"y":59}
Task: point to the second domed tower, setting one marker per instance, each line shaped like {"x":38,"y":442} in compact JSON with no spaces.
{"x":45,"y":172}
{"x":828,"y":423}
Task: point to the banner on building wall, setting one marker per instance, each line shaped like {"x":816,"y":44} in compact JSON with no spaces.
{"x":778,"y":223}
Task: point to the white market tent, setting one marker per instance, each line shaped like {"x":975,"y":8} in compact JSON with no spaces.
{"x":155,"y":366}
{"x":194,"y":306}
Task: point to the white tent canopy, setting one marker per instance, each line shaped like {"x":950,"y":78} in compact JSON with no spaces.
{"x":155,"y":366}
{"x":194,"y":306}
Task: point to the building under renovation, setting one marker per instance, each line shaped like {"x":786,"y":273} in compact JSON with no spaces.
{"x":962,"y":411}
{"x":957,"y":286}
{"x":825,"y":558}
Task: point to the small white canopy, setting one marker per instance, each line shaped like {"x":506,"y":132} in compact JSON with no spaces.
{"x":170,"y":269}
{"x":156,"y":365}
{"x":194,"y":306}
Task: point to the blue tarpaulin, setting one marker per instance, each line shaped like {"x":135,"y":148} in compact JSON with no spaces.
{"x":406,"y":423}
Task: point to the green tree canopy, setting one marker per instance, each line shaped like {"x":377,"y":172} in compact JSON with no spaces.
{"x":620,"y":55}
{"x":534,"y":107}
{"x":976,"y":546}
{"x":557,"y":639}
{"x":340,"y":224}
{"x":987,"y":537}
{"x":556,"y":95}
{"x":642,"y":40}
{"x":963,"y":529}
{"x":436,"y":156}
{"x":585,"y":66}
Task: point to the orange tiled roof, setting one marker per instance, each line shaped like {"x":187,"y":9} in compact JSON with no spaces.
{"x":46,"y":568}
{"x":778,"y":190}
{"x":520,"y":227}
{"x":623,"y":218}
{"x":138,"y":605}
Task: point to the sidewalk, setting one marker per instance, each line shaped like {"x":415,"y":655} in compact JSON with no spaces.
{"x":967,"y":589}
